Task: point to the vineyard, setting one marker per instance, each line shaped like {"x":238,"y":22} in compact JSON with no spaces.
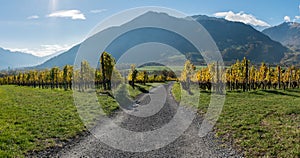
{"x":245,"y":76}
{"x":261,"y":123}
{"x":240,"y":76}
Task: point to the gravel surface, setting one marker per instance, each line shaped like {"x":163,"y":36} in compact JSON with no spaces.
{"x":188,"y":144}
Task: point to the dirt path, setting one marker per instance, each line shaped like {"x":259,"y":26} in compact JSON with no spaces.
{"x":189,"y":144}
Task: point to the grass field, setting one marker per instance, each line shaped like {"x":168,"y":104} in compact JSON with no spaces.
{"x":34,"y":119}
{"x":261,"y":123}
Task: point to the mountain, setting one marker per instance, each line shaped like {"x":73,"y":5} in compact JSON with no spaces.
{"x":235,"y":40}
{"x":291,"y":59}
{"x":66,"y":58}
{"x":13,"y":60}
{"x":288,"y":33}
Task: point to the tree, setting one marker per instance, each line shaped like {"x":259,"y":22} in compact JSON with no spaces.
{"x":132,"y":75}
{"x":42,"y":79}
{"x":187,"y":73}
{"x":54,"y":77}
{"x":145,"y":77}
{"x":252,"y":77}
{"x":107,"y":65}
{"x":98,"y":78}
{"x":263,"y":74}
{"x":245,"y":73}
{"x":67,"y":77}
{"x":86,"y":76}
{"x":116,"y":78}
{"x":279,"y":76}
{"x":142,"y":77}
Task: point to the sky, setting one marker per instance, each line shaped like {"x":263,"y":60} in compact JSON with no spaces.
{"x":44,"y":27}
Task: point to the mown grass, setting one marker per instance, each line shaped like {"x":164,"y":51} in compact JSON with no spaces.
{"x":33,"y":119}
{"x":260,"y":123}
{"x":176,"y":91}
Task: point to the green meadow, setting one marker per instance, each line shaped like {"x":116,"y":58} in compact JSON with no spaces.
{"x":263,"y":123}
{"x":259,"y":123}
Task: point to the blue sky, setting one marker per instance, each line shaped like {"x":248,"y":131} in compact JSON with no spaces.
{"x":42,"y":27}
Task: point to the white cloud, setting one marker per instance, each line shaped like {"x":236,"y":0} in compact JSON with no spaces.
{"x":242,"y":17}
{"x":73,"y":14}
{"x":98,"y":11}
{"x":287,"y":19}
{"x":33,"y":17}
{"x":43,"y":50}
{"x":297,"y":17}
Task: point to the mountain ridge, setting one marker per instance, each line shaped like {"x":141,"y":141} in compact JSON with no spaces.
{"x":235,"y":40}
{"x":287,"y":33}
{"x":237,"y":37}
{"x":16,"y":59}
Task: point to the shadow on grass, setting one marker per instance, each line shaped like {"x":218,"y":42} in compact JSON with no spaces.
{"x":276,"y":92}
{"x":280,"y":93}
{"x":293,"y":90}
{"x":205,"y":91}
{"x":122,"y":98}
{"x":143,"y":90}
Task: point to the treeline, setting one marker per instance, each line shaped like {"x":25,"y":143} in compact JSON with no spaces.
{"x":53,"y":78}
{"x":144,"y":77}
{"x":104,"y":77}
{"x":69,"y":77}
{"x":241,"y":76}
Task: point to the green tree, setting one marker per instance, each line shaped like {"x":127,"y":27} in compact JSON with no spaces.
{"x":107,"y":65}
{"x":87,"y":74}
{"x":54,"y":77}
{"x":67,"y":77}
{"x":132,"y":75}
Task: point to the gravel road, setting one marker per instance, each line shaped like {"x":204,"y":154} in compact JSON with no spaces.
{"x":188,"y":144}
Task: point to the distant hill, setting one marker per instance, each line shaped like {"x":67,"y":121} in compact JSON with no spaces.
{"x":13,"y":60}
{"x":291,"y":59}
{"x":234,"y":39}
{"x":288,"y":33}
{"x":66,"y":58}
